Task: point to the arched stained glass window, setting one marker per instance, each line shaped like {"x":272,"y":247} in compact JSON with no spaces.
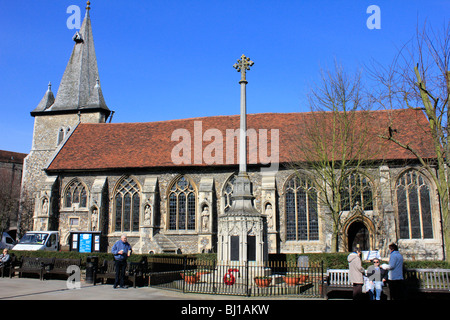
{"x":228,"y":192}
{"x":75,"y":194}
{"x":356,"y":190}
{"x":414,"y":207}
{"x":182,"y":204}
{"x":126,"y":204}
{"x":301,"y":210}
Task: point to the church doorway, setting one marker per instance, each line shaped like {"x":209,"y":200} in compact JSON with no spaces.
{"x":358,"y":234}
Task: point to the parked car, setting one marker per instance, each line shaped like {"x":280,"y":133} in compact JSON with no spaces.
{"x":39,"y":240}
{"x":7,"y":241}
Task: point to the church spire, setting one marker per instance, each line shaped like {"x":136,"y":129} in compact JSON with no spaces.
{"x":96,"y":99}
{"x":80,"y":77}
{"x":47,"y":100}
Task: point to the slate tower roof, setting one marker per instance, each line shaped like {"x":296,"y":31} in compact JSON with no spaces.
{"x":47,"y":101}
{"x":80,"y":86}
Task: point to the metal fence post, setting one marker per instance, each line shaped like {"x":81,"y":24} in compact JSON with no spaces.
{"x":321,"y":279}
{"x":184,"y":273}
{"x":246,"y":279}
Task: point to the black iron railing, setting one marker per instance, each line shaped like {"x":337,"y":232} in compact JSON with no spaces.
{"x":235,"y":278}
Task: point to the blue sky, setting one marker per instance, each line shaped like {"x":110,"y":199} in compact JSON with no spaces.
{"x":173,"y":59}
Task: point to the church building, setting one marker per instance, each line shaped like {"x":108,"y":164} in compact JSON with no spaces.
{"x":166,"y":184}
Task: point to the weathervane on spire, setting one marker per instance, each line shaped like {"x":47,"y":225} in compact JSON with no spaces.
{"x":88,"y":6}
{"x":243,"y":65}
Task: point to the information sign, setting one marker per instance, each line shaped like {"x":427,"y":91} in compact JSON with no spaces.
{"x":85,"y":242}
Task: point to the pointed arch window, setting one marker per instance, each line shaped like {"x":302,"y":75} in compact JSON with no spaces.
{"x":75,"y":194}
{"x":60,"y":136}
{"x":414,"y":206}
{"x":356,"y":190}
{"x":301,"y":210}
{"x":126,"y":205}
{"x":228,"y":192}
{"x":182,"y":204}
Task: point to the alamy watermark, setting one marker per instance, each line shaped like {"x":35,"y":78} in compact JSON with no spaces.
{"x":74,"y":279}
{"x":74,"y":20}
{"x":190,"y":151}
{"x":374,"y":20}
{"x":223,"y":147}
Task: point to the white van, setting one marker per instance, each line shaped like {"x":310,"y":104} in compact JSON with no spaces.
{"x":7,"y":241}
{"x":38,"y":240}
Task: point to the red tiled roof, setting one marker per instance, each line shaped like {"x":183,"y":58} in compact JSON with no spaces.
{"x":146,"y":145}
{"x":10,"y":156}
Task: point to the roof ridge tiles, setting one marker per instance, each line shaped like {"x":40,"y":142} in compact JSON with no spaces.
{"x":150,"y":144}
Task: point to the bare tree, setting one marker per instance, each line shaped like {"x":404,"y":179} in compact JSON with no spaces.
{"x":26,"y":209}
{"x":419,"y":77}
{"x":9,"y":201}
{"x":335,"y":142}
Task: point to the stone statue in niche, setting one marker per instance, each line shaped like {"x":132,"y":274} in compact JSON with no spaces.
{"x":147,"y":215}
{"x":205,"y":218}
{"x":269,"y":214}
{"x":94,"y":219}
{"x":45,"y":206}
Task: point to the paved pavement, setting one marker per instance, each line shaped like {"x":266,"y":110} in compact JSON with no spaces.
{"x":16,"y":293}
{"x":52,"y":297}
{"x":35,"y":289}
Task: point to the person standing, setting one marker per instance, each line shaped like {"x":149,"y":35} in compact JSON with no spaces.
{"x":356,"y":273}
{"x":395,"y":276}
{"x":121,"y":251}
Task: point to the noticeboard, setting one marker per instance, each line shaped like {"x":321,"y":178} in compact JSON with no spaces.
{"x":88,"y":241}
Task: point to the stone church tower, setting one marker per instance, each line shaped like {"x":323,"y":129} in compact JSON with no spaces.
{"x":79,"y":100}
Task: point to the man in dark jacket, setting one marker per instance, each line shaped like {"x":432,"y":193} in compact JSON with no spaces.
{"x":121,"y":251}
{"x":4,"y":257}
